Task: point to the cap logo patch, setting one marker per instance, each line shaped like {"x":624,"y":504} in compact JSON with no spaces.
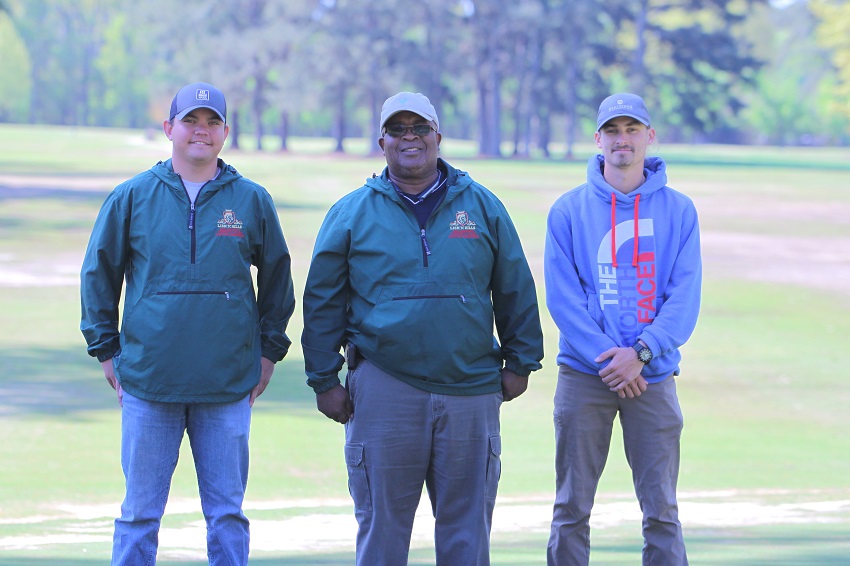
{"x":202,"y":94}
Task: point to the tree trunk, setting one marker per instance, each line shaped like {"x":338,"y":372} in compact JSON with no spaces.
{"x":234,"y":128}
{"x":637,"y":78}
{"x":544,"y":132}
{"x":571,"y":110}
{"x":375,"y":125}
{"x":283,"y":130}
{"x":520,"y":110}
{"x":490,"y":111}
{"x":339,"y":121}
{"x":259,"y":104}
{"x":259,"y":127}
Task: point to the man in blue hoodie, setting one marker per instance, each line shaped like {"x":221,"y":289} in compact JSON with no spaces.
{"x":623,"y":274}
{"x":413,"y":271}
{"x":195,"y":347}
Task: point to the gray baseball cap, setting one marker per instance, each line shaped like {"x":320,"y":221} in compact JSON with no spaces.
{"x":622,"y":104}
{"x":198,"y":95}
{"x":414,"y":102}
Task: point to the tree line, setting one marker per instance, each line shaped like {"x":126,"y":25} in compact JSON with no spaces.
{"x":526,"y":72}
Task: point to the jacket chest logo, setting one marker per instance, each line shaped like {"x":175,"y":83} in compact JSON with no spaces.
{"x":229,"y":225}
{"x":462,"y":227}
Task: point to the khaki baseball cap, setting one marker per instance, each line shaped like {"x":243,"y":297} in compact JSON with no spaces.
{"x":414,"y":102}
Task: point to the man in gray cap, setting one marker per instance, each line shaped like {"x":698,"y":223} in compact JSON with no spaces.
{"x":197,"y":344}
{"x":409,"y":274}
{"x":623,"y":272}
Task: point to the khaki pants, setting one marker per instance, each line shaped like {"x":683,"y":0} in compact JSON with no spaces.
{"x":652,"y":425}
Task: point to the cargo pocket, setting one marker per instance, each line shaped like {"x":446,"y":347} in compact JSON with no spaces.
{"x":494,"y":467}
{"x":358,"y":482}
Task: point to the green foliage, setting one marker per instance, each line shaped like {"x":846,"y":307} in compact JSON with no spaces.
{"x":15,"y":68}
{"x":796,"y":95}
{"x":832,"y":34}
{"x":531,"y":71}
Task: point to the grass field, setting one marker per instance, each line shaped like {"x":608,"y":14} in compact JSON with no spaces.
{"x":766,"y":451}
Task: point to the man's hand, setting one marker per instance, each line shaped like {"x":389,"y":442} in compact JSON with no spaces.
{"x":109,"y":373}
{"x":623,"y":369}
{"x":335,"y":404}
{"x":513,"y":385}
{"x":266,"y":371}
{"x":633,"y":389}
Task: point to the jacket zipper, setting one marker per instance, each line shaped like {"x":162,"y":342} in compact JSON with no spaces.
{"x":192,"y":231}
{"x":461,"y":297}
{"x":193,"y":244}
{"x":225,"y":293}
{"x":426,"y":249}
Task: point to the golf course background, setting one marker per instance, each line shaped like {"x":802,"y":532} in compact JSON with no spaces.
{"x":765,"y":384}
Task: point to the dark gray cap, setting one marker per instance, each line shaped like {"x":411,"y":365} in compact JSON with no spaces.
{"x":198,"y":95}
{"x":622,"y":104}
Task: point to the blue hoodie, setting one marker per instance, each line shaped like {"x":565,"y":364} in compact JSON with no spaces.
{"x":621,"y":268}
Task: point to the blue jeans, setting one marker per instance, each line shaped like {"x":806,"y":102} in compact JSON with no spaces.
{"x":151,"y":434}
{"x":402,"y":437}
{"x":652,"y":426}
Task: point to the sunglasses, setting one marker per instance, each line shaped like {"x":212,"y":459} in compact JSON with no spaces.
{"x":399,"y":130}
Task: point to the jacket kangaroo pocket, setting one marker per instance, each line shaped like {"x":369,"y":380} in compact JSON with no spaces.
{"x":182,"y":342}
{"x":440,"y":323}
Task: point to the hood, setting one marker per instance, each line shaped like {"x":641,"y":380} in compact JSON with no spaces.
{"x":165,"y":171}
{"x":654,"y":169}
{"x":655,"y":172}
{"x":457,"y":181}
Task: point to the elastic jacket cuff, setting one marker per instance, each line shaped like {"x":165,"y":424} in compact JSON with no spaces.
{"x":323,"y":385}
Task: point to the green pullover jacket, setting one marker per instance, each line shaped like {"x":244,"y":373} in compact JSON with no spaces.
{"x":193,"y":330}
{"x":421,"y":305}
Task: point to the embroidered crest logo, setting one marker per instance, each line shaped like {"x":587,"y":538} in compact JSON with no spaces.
{"x":229,"y":225}
{"x":462,"y":227}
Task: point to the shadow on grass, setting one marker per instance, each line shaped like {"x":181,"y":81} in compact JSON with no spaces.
{"x":790,"y":545}
{"x":68,"y":382}
{"x":745,"y":546}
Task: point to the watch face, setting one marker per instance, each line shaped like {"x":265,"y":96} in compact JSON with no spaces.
{"x":645,"y":355}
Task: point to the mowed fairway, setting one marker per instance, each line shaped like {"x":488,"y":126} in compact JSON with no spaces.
{"x":765,"y":473}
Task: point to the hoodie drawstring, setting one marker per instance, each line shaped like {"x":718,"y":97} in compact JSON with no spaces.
{"x":637,"y":232}
{"x":614,"y":230}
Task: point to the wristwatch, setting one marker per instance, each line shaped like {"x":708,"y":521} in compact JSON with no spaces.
{"x":644,"y":353}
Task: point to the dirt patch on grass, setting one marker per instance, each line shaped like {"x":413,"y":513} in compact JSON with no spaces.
{"x":808,"y":262}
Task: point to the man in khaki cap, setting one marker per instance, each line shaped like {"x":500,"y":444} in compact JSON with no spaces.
{"x":409,"y":272}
